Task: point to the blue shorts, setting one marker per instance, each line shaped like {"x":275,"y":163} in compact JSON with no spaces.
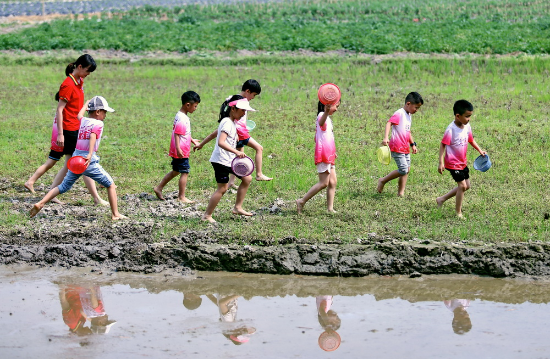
{"x":222,"y":172}
{"x":242,"y":143}
{"x":94,"y":171}
{"x":403,"y":161}
{"x":180,"y":165}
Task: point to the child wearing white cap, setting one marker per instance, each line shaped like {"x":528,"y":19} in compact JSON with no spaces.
{"x":89,"y":137}
{"x":224,"y":152}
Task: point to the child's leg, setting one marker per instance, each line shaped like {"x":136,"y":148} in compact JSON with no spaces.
{"x":158,"y":189}
{"x":48,"y":197}
{"x":258,"y":160}
{"x":390,"y":176}
{"x":182,"y":187}
{"x":59,"y":177}
{"x":214,"y":200}
{"x":316,"y":188}
{"x":113,"y":201}
{"x":462,"y":187}
{"x":402,"y":182}
{"x":331,"y":190}
{"x":90,"y":184}
{"x":241,"y":193}
{"x":39,"y":172}
{"x":232,"y":177}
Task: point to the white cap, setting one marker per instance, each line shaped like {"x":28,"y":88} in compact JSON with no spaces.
{"x":99,"y":103}
{"x":243,"y":104}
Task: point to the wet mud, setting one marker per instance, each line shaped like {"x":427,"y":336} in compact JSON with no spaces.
{"x":80,"y":236}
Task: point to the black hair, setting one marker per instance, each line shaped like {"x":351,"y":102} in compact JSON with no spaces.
{"x":86,"y":60}
{"x":225,"y":109}
{"x":192,"y":303}
{"x":57,"y":97}
{"x":414,"y":98}
{"x":461,"y":106}
{"x":190,"y":97}
{"x":252,"y":86}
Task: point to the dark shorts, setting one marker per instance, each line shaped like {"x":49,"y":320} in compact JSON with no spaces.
{"x":242,"y":143}
{"x":460,"y":175}
{"x":181,"y":165}
{"x":222,"y":172}
{"x":70,"y":138}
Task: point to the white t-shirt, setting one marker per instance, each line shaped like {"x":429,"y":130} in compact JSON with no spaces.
{"x":219,"y":155}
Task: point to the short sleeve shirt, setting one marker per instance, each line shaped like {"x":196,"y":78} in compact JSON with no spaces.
{"x":456,"y":140}
{"x":219,"y":155}
{"x":400,"y":131}
{"x":72,"y":91}
{"x":182,"y":129}
{"x":87,"y":127}
{"x":325,"y":148}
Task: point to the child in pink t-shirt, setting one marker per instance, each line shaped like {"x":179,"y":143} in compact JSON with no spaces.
{"x":452,"y":153}
{"x":401,"y":138}
{"x":325,"y":156}
{"x":180,"y":146}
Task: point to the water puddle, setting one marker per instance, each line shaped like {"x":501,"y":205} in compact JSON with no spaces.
{"x":77,"y":313}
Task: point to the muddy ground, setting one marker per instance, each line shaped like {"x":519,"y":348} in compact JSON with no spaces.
{"x":78,"y":235}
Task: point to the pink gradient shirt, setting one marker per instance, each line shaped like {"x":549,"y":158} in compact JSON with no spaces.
{"x":456,"y":140}
{"x":181,"y":128}
{"x":325,"y":148}
{"x":242,"y":131}
{"x":87,"y":127}
{"x":53,"y":142}
{"x":400,"y":131}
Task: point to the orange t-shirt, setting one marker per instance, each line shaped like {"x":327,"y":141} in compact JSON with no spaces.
{"x":72,"y":91}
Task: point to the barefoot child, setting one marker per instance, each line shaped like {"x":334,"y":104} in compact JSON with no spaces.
{"x":401,"y":137}
{"x":250,"y":89}
{"x":452,"y":153}
{"x":325,"y":156}
{"x":89,"y":137}
{"x":70,"y":99}
{"x":180,"y":146}
{"x":224,"y":152}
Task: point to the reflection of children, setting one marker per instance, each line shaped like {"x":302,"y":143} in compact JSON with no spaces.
{"x":70,"y":99}
{"x":81,"y":304}
{"x":180,"y":146}
{"x":227,"y":306}
{"x":191,"y":301}
{"x":224,"y":153}
{"x":325,"y":156}
{"x":461,"y":320}
{"x":329,"y":340}
{"x":452,"y":153}
{"x":89,"y":137}
{"x":401,"y":137}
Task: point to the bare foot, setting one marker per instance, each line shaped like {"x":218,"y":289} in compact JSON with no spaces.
{"x":35,"y":209}
{"x":100,"y":202}
{"x":208,"y":219}
{"x":380,"y":186}
{"x":159,"y":194}
{"x":439,"y":202}
{"x":118,"y":216}
{"x":263,"y":178}
{"x":29,"y":186}
{"x":56,"y":201}
{"x":242,"y":212}
{"x":233,"y":185}
{"x":185,"y":200}
{"x":332,"y":211}
{"x":460,"y":216}
{"x":299,"y":206}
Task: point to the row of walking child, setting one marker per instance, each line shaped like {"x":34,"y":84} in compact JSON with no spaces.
{"x":231,"y":136}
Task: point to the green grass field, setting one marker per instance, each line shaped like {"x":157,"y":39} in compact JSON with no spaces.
{"x":511,"y":121}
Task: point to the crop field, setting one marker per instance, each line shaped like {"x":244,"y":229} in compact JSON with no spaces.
{"x":374,"y":27}
{"x":511,"y":96}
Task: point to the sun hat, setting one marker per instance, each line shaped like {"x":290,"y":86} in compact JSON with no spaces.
{"x":250,"y":125}
{"x":482,"y":163}
{"x":329,"y":340}
{"x":99,"y":103}
{"x":242,"y":104}
{"x":242,"y":167}
{"x":384,"y":155}
{"x":77,"y":164}
{"x":329,"y":94}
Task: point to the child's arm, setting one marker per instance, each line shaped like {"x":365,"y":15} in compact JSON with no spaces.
{"x":178,"y":149}
{"x":442,"y":149}
{"x":476,"y":146}
{"x":208,"y":138}
{"x":225,"y":146}
{"x":82,"y":110}
{"x":93,"y":138}
{"x":323,"y":118}
{"x":387,"y":130}
{"x":413,"y":143}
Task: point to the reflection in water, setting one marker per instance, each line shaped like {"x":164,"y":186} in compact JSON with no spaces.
{"x":82,"y":304}
{"x":461,"y":320}
{"x":329,"y":340}
{"x":237,"y":332}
